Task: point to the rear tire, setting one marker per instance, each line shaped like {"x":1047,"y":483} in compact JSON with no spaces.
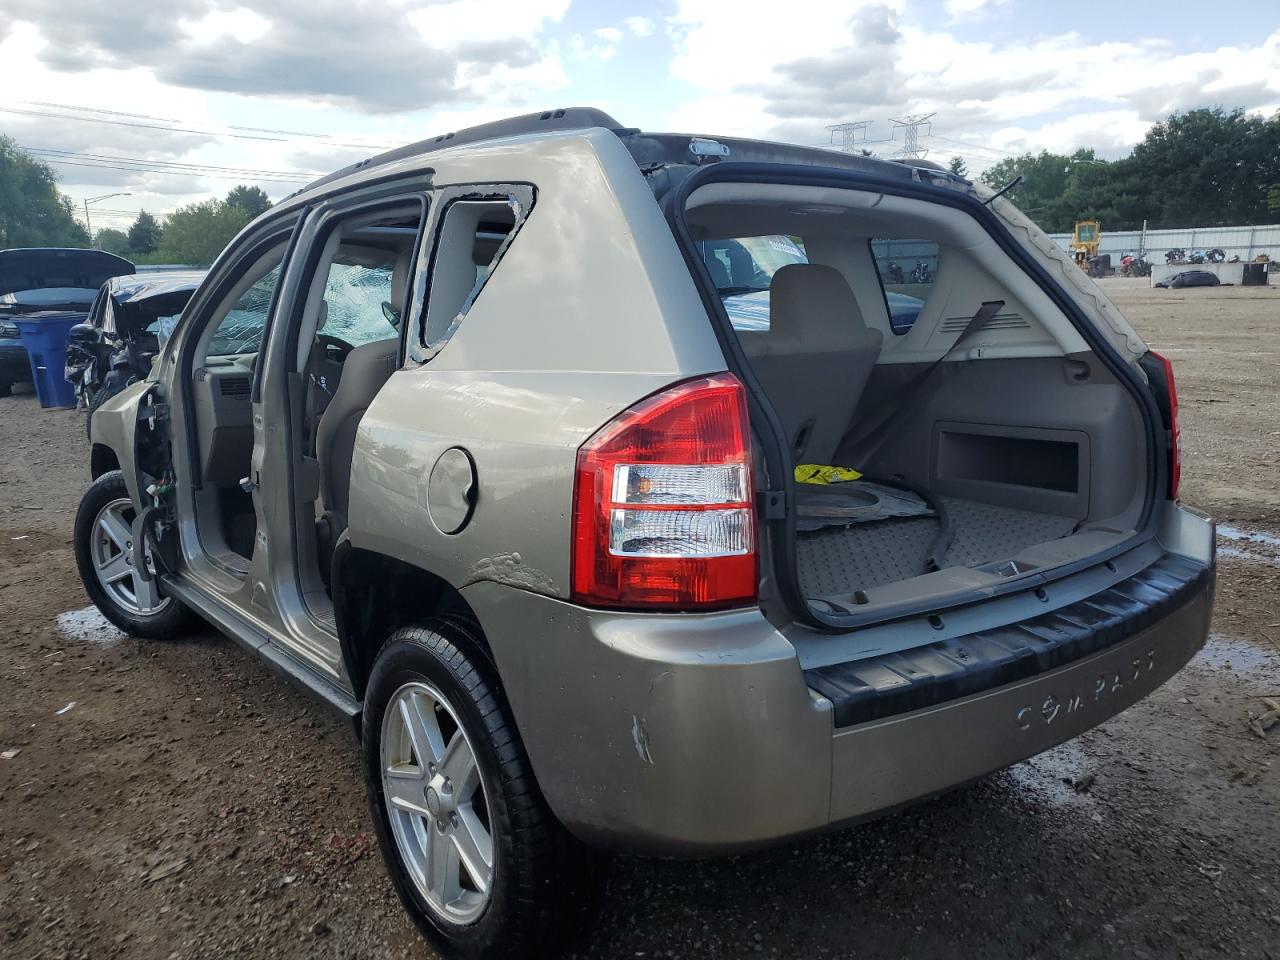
{"x":103,"y":541}
{"x":540,"y":886}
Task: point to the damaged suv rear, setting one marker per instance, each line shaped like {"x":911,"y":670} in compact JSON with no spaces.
{"x":652,"y":492}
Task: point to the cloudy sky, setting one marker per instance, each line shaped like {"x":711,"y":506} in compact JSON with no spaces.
{"x":177,"y":105}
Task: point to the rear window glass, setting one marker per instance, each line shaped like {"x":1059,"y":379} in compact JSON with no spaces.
{"x":742,"y":269}
{"x":908,"y":270}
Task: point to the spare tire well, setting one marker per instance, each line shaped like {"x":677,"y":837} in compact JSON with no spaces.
{"x":374,"y":595}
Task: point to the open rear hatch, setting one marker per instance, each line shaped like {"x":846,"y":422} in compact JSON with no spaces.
{"x":941,"y":421}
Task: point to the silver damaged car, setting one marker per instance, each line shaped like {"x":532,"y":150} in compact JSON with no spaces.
{"x":648,"y":492}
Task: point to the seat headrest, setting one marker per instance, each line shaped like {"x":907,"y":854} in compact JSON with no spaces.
{"x":813,"y":303}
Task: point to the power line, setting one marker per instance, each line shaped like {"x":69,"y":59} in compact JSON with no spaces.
{"x":247,"y":171}
{"x":849,"y":136}
{"x":373,"y":144}
{"x":181,"y":173}
{"x":910,"y":126}
{"x":184,"y":130}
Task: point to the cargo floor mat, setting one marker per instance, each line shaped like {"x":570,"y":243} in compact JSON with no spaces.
{"x":839,"y":561}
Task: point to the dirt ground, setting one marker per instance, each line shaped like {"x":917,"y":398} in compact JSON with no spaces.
{"x":174,"y":800}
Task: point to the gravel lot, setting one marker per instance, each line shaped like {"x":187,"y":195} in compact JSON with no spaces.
{"x":188,"y":804}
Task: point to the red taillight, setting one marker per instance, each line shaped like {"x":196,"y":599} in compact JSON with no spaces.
{"x":662,"y":511}
{"x":1175,"y":434}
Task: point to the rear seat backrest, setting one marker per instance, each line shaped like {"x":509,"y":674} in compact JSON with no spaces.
{"x":815,"y":359}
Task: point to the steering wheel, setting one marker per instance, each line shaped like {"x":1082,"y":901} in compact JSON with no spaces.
{"x":335,"y":350}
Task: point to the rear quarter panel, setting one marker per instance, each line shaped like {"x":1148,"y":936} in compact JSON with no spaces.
{"x":591,"y":309}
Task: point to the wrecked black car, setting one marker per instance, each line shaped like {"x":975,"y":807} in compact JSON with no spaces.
{"x":127,"y":326}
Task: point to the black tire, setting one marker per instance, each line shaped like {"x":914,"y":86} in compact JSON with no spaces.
{"x":6,"y":388}
{"x":545,"y":886}
{"x":174,"y":620}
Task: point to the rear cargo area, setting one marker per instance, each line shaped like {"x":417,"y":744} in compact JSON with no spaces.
{"x":839,"y":561}
{"x":895,"y":339}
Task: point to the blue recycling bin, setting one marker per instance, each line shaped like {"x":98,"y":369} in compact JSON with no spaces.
{"x":46,"y":341}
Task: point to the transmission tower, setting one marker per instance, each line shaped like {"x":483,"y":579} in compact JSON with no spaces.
{"x":849,"y":137}
{"x":910,"y":126}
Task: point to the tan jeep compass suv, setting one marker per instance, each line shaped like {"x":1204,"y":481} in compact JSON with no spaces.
{"x":652,"y":492}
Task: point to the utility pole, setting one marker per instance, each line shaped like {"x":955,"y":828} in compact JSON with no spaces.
{"x":88,"y":200}
{"x":910,"y":126}
{"x":849,"y":136}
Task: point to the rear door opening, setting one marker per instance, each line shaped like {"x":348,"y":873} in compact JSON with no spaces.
{"x":980,"y":442}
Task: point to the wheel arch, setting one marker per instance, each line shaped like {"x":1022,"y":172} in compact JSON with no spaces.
{"x":374,"y":594}
{"x":102,"y":459}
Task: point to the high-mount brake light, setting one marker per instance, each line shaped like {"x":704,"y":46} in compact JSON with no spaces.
{"x":663,"y":513}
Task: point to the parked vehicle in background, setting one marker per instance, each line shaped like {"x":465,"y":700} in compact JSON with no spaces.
{"x":1191,"y":278}
{"x":127,"y":325}
{"x":13,"y":357}
{"x":1131,"y":266}
{"x":488,"y":465}
{"x":50,"y":283}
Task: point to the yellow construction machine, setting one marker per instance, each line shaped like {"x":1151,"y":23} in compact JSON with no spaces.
{"x":1085,"y":241}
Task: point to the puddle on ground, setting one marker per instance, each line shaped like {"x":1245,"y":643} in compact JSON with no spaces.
{"x":88,"y":626}
{"x":1052,"y":776}
{"x":1240,"y":655}
{"x":1249,"y":545}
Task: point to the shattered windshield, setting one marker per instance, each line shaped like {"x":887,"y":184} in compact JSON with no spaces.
{"x":241,"y":329}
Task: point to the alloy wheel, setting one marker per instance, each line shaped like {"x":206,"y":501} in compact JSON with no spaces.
{"x":436,"y":802}
{"x":111,"y":550}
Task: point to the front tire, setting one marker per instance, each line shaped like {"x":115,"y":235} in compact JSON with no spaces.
{"x":103,"y":541}
{"x":476,"y":856}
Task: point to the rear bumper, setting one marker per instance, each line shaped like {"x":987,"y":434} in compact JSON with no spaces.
{"x":882,"y":764}
{"x":692,"y":735}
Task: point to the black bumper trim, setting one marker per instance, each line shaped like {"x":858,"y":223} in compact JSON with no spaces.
{"x":894,"y":683}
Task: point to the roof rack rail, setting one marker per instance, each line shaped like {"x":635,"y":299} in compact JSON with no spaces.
{"x":566,"y":118}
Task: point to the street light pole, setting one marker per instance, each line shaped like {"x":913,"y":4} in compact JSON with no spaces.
{"x":88,"y":200}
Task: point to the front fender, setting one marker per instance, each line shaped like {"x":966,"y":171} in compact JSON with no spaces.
{"x":114,"y":425}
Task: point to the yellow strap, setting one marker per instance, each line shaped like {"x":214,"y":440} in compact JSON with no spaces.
{"x":821,"y":473}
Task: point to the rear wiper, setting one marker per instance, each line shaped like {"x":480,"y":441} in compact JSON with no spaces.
{"x":739,"y":291}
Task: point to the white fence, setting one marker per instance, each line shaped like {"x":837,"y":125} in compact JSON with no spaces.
{"x":1243,"y":242}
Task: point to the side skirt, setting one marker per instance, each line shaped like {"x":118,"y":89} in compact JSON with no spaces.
{"x":251,"y":638}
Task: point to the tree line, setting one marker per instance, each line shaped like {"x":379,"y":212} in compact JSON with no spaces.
{"x":1203,"y":168}
{"x":193,"y":235}
{"x":35,"y":213}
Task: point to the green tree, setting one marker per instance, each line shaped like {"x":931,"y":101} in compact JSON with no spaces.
{"x":33,"y":213}
{"x":144,"y":234}
{"x":112,"y":241}
{"x":195,"y":234}
{"x":957,"y":166}
{"x":252,"y":200}
{"x":1209,"y":166}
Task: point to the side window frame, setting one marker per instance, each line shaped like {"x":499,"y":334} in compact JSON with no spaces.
{"x":320,"y":226}
{"x":521,"y":197}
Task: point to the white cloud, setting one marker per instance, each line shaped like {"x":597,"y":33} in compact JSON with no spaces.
{"x":609,"y":34}
{"x":831,"y":62}
{"x":639,"y":26}
{"x":240,"y":24}
{"x":967,"y":8}
{"x":455,"y":22}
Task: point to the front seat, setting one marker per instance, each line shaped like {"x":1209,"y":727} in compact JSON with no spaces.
{"x":365,"y":370}
{"x":815,"y":359}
